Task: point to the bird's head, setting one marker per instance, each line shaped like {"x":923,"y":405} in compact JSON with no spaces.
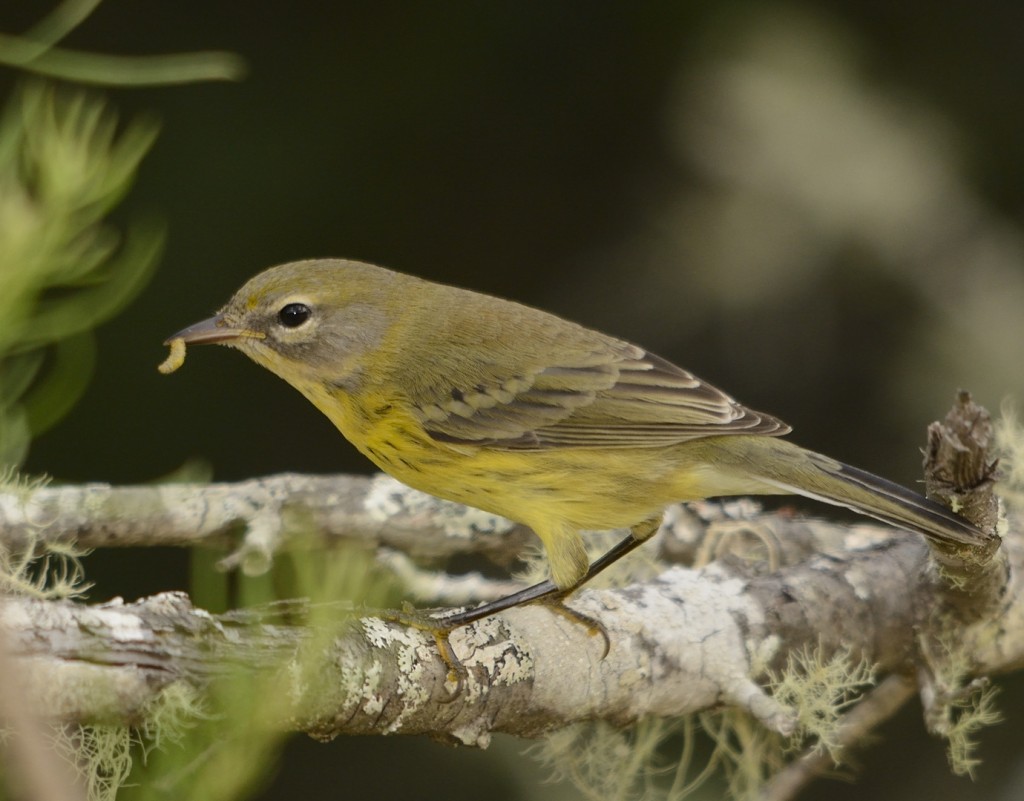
{"x":309,"y":322}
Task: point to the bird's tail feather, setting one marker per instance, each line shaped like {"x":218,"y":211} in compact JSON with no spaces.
{"x":822,"y":478}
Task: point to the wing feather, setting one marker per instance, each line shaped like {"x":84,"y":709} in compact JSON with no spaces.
{"x":612,"y":395}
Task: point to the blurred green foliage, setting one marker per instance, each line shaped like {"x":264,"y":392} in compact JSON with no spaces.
{"x":64,"y":269}
{"x":224,"y":744}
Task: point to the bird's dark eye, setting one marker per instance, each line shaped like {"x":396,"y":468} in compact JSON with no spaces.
{"x":294,"y":314}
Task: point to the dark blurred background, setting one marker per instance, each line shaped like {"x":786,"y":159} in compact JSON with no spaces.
{"x":813,"y":205}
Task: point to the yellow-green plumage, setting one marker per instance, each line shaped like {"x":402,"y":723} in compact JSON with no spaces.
{"x":519,"y":412}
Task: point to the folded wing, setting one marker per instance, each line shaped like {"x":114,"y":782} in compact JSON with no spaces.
{"x":611,"y":395}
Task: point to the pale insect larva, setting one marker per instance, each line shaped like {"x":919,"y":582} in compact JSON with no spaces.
{"x":175,"y":358}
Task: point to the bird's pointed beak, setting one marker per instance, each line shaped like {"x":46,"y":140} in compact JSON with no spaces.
{"x":208,"y":332}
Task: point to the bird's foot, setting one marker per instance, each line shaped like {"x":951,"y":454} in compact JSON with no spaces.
{"x":556,"y":603}
{"x":440,"y":623}
{"x":427,"y":620}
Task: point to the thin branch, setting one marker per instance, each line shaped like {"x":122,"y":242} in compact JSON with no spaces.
{"x":879,"y":705}
{"x":376,"y":510}
{"x":960,"y":472}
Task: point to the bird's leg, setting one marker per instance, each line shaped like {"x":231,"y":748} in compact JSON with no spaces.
{"x":638,"y":535}
{"x":546,"y":592}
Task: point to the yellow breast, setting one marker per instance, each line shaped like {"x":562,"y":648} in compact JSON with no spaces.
{"x":583,"y":487}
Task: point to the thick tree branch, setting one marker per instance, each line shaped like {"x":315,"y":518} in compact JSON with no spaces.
{"x":689,"y":640}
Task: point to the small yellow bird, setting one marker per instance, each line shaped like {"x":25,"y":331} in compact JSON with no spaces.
{"x":521,"y":413}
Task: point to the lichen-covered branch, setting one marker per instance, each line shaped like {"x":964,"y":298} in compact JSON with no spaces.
{"x":960,"y":472}
{"x":688,"y":640}
{"x":255,"y":516}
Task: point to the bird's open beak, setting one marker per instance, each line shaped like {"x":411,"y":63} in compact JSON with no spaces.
{"x":207,"y":332}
